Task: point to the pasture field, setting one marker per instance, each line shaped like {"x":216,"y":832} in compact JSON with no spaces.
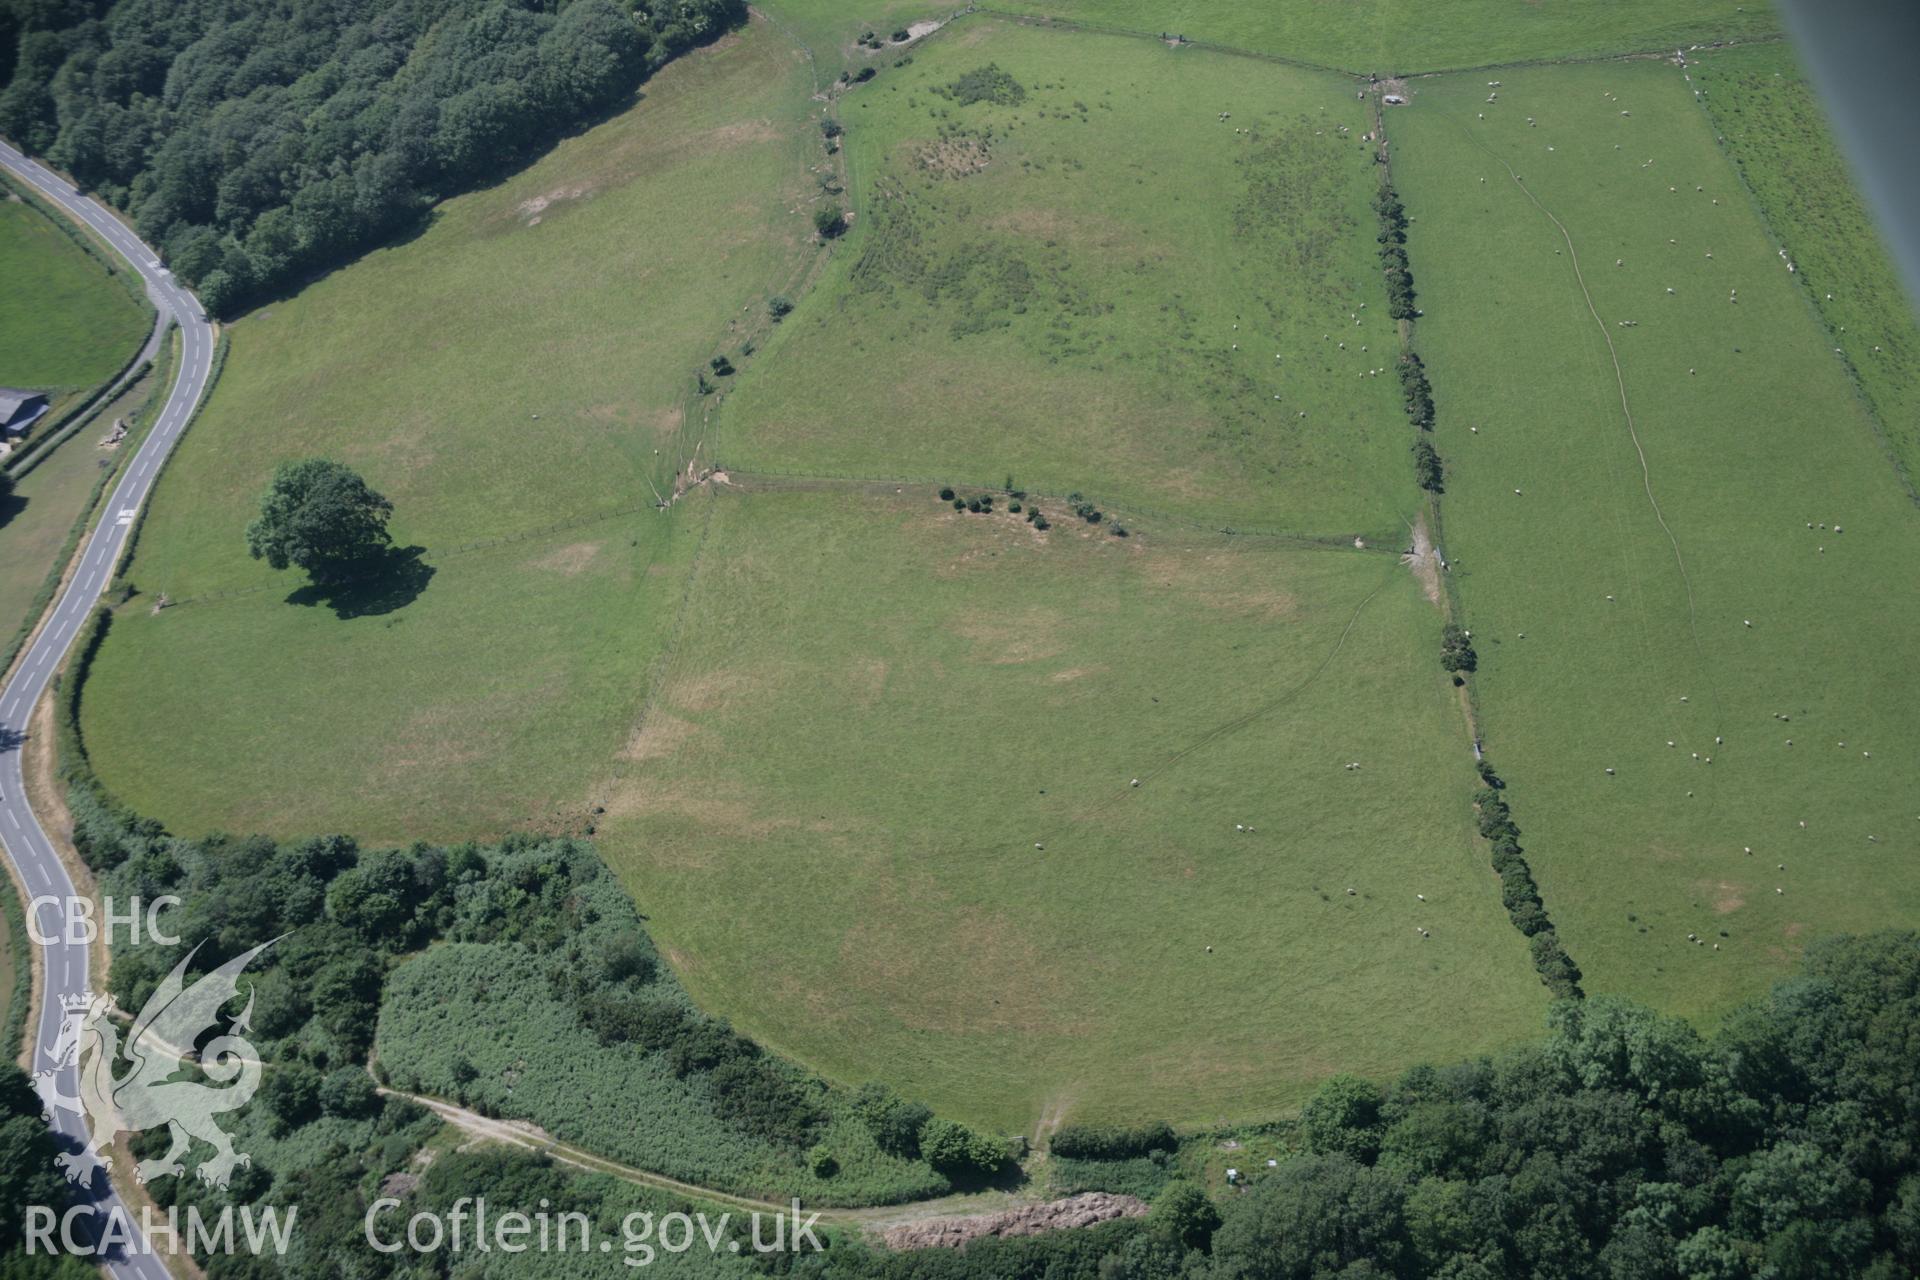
{"x":1361,"y":36}
{"x":586,"y":290}
{"x":1765,"y":112}
{"x":879,"y":706}
{"x":66,"y":324}
{"x":1094,"y":282}
{"x":1609,"y":627}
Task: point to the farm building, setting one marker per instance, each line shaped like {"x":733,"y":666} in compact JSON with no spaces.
{"x":19,"y":410}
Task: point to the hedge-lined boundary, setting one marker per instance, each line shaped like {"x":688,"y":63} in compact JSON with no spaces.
{"x":1519,"y":893}
{"x":73,"y":418}
{"x":100,"y":822}
{"x":70,"y":418}
{"x":71,"y":424}
{"x":214,"y":366}
{"x":82,"y":522}
{"x":115,"y":267}
{"x":20,"y":999}
{"x":1111,"y":1142}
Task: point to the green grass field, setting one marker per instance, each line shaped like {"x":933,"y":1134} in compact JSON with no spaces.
{"x":586,"y":289}
{"x":819,"y":727}
{"x":1361,"y":36}
{"x":879,"y":706}
{"x":66,"y":325}
{"x":1105,"y":287}
{"x":1758,"y":453}
{"x":1763,"y":107}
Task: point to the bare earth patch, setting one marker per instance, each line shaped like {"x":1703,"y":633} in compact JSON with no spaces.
{"x":569,"y":560}
{"x":1013,"y":638}
{"x":661,"y":736}
{"x":954,"y":157}
{"x":1076,"y":1211}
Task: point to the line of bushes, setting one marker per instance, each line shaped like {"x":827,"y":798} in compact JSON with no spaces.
{"x":1111,"y":1142}
{"x":1518,"y":892}
{"x":1428,"y":469}
{"x":1417,"y":390}
{"x":910,"y":1130}
{"x":1393,"y":252}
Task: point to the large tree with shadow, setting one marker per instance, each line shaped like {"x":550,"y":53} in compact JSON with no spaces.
{"x":321,"y":517}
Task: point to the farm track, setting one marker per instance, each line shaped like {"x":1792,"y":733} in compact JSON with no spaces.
{"x":529,"y":1137}
{"x":1626,"y":411}
{"x":564,"y":1153}
{"x":1619,"y":378}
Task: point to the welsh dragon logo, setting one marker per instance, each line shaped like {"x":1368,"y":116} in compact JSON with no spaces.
{"x":145,"y":1096}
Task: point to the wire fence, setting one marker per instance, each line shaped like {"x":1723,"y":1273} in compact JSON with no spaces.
{"x":773,"y":478}
{"x":1166,"y":37}
{"x":439,"y":553}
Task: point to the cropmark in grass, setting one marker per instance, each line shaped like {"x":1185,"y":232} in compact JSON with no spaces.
{"x":1103,"y":266}
{"x":879,"y":708}
{"x":514,"y":367}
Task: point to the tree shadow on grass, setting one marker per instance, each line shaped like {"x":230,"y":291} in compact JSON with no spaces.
{"x":392,"y":580}
{"x":10,"y":506}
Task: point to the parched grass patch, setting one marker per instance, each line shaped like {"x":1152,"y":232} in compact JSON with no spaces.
{"x":478,"y":707}
{"x":1779,"y":500}
{"x":521,"y":361}
{"x":585,"y":290}
{"x":1100,"y":265}
{"x":65,"y":323}
{"x":880,"y":706}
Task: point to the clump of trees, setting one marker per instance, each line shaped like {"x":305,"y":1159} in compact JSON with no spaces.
{"x":1456,"y":650}
{"x":910,"y":1129}
{"x":1427,"y":470}
{"x":1417,"y":390}
{"x":255,"y":144}
{"x":984,"y":84}
{"x":1393,"y":254}
{"x":321,"y":517}
{"x":830,"y":221}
